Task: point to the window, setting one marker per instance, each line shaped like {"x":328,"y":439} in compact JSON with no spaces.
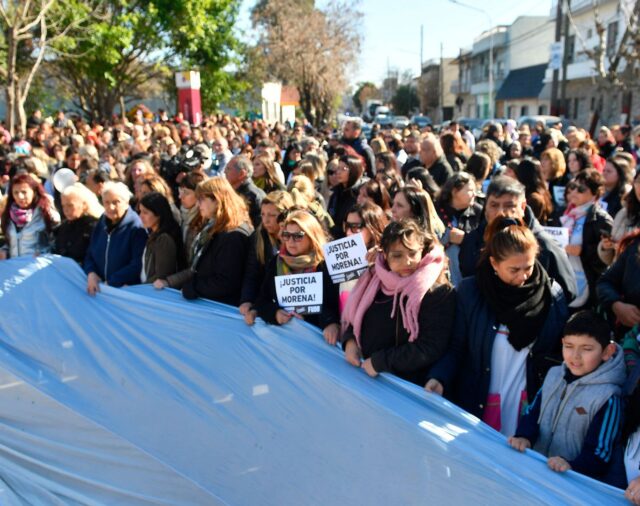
{"x":612,"y":38}
{"x":589,"y":33}
{"x":510,"y":111}
{"x":542,"y":110}
{"x":524,"y":110}
{"x":571,"y":48}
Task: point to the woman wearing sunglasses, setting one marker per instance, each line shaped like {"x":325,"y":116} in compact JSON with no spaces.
{"x":369,"y":220}
{"x":302,"y":238}
{"x":587,"y":222}
{"x":264,"y":246}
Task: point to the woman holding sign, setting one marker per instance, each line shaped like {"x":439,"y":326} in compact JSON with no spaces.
{"x":587,"y":223}
{"x":400,"y":314}
{"x":264,"y":246}
{"x":301,"y":253}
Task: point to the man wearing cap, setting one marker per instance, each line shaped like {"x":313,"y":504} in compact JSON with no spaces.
{"x":238,"y":172}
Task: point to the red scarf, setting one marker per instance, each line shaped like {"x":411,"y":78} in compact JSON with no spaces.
{"x":407,"y":292}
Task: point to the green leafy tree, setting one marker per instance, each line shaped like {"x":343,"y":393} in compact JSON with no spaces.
{"x":31,"y":30}
{"x":136,"y":42}
{"x":405,"y":100}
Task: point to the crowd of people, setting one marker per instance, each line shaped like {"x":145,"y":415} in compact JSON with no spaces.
{"x":470,"y":291}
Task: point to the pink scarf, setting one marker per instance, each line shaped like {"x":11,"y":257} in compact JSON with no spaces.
{"x":20,"y":217}
{"x":410,"y":290}
{"x":573,"y":214}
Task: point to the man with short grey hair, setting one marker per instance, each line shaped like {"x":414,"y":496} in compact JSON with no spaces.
{"x":506,"y":197}
{"x":433,"y":159}
{"x":238,"y":172}
{"x":412,"y":148}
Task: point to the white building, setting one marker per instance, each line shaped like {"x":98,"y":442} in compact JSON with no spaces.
{"x":583,"y":96}
{"x":279,"y":103}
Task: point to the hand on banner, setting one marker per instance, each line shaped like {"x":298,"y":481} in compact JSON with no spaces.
{"x":434,"y":386}
{"x":368,"y":367}
{"x":352,"y":353}
{"x":159,"y":284}
{"x":93,"y":283}
{"x":558,"y":464}
{"x":250,"y":317}
{"x":633,"y":492}
{"x":519,"y":443}
{"x":244,"y":308}
{"x":330,"y":333}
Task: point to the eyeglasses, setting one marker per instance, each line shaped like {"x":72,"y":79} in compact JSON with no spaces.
{"x":296,"y":236}
{"x":577,"y":186}
{"x":354,"y":227}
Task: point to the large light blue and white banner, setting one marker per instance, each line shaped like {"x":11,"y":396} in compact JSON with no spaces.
{"x":138,"y":397}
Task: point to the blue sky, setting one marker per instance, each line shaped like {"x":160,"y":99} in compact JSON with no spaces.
{"x":391,"y":29}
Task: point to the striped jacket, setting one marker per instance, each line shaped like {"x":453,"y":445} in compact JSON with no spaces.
{"x":578,"y":420}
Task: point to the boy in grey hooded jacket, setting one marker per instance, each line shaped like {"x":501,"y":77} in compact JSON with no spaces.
{"x":576,"y":417}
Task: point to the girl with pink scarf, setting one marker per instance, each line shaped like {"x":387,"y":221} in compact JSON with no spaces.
{"x":400,"y":314}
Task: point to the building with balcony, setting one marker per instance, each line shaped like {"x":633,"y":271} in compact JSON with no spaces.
{"x":586,"y":103}
{"x":522,"y":45}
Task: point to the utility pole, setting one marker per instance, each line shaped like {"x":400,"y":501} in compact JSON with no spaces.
{"x":421,"y":47}
{"x":564,"y":109}
{"x":441,"y":85}
{"x":556,"y":72}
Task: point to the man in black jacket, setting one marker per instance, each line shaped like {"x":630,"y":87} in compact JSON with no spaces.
{"x":433,"y":159}
{"x":352,"y":136}
{"x":412,"y":148}
{"x":506,"y":197}
{"x":238,"y":172}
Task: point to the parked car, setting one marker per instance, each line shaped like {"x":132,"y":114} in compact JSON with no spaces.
{"x":384,"y":120}
{"x":549,"y":121}
{"x":400,"y":122}
{"x":470,"y":123}
{"x":421,"y":121}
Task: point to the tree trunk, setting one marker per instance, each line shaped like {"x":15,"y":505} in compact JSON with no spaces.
{"x":21,"y":115}
{"x":12,"y":51}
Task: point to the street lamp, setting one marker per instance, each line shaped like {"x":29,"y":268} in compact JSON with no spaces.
{"x":477,"y":9}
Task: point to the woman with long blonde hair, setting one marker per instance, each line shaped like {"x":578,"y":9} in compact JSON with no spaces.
{"x":265,"y":244}
{"x":301,"y":252}
{"x":220,"y":250}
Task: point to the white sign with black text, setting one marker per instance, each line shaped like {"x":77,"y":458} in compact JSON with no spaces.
{"x":559,"y":234}
{"x":346,"y":258}
{"x":301,"y":293}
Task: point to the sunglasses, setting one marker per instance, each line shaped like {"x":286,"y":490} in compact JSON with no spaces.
{"x":575,"y":186}
{"x":354,"y":227}
{"x":296,"y":236}
{"x":331,"y":172}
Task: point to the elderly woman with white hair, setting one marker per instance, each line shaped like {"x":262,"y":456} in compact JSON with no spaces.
{"x":81,"y":210}
{"x":115,"y":251}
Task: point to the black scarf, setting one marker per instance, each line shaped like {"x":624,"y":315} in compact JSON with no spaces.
{"x":523,"y":309}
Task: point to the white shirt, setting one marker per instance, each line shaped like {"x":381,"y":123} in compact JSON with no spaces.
{"x":508,"y":379}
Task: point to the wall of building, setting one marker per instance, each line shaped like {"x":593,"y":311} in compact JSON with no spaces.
{"x":529,"y":38}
